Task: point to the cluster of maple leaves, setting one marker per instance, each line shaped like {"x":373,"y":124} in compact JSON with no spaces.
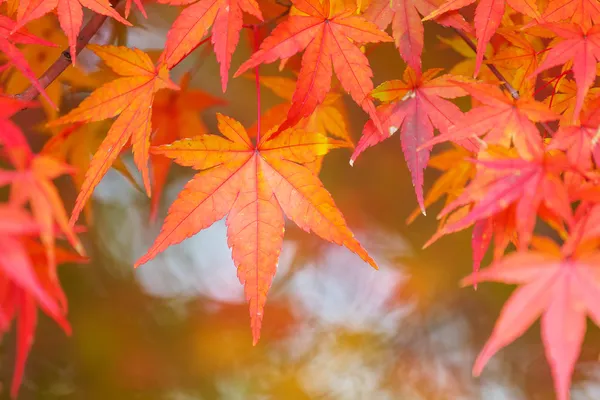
{"x":522,"y":170}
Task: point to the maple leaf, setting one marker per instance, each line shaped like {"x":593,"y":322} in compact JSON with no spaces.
{"x":418,"y":104}
{"x":563,"y":290}
{"x":255,"y":185}
{"x":24,"y":285}
{"x":581,"y":46}
{"x":406,"y":23}
{"x":502,"y":119}
{"x":488,"y":16}
{"x":131,"y":97}
{"x":10,"y":35}
{"x":72,"y":78}
{"x":226,"y":19}
{"x":175,"y":116}
{"x":326,"y":35}
{"x":528,"y":184}
{"x":70,"y":15}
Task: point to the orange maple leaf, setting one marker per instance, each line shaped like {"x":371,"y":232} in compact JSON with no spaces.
{"x":254,"y":185}
{"x":130,"y":97}
{"x":226,"y":19}
{"x":70,"y":15}
{"x":329,"y":39}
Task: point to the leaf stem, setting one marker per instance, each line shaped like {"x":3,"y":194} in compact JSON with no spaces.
{"x":64,"y":60}
{"x":510,"y":88}
{"x":257,"y":82}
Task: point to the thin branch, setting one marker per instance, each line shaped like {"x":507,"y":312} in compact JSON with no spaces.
{"x":513,"y":92}
{"x":64,"y":60}
{"x":510,"y":88}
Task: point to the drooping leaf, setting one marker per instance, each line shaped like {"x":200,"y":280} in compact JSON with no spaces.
{"x":26,"y":282}
{"x":329,"y":38}
{"x":130,"y":97}
{"x":415,"y":106}
{"x":254,"y":185}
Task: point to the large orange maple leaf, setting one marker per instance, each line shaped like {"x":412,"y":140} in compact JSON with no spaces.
{"x":330,"y":38}
{"x":252,"y":184}
{"x":130,"y":97}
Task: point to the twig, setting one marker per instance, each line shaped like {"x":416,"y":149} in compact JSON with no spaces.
{"x":510,"y":88}
{"x":64,"y":60}
{"x":513,"y":92}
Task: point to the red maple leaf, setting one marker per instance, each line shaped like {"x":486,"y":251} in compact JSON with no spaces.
{"x":329,"y":38}
{"x":24,"y":285}
{"x":562,"y":289}
{"x":417,"y":105}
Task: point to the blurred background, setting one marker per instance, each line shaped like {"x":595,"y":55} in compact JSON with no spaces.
{"x":177,"y":328}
